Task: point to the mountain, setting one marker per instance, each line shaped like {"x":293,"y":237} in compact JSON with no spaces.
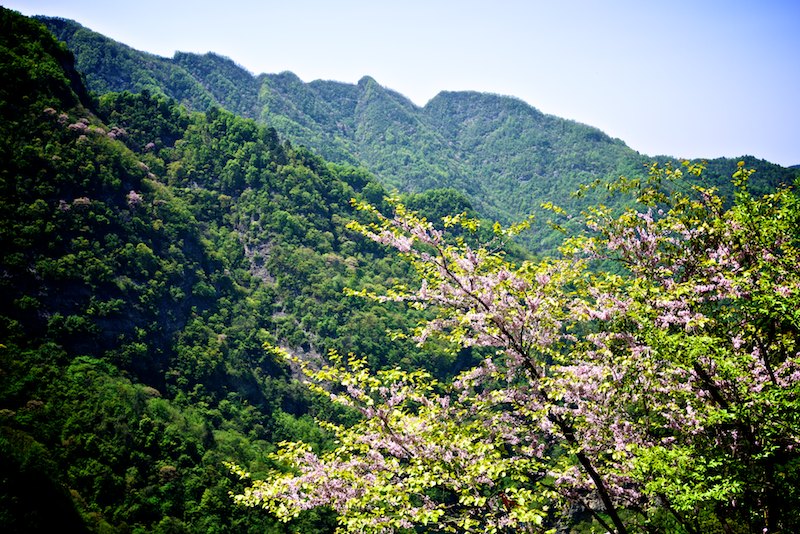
{"x":150,"y":252}
{"x":505,"y":155}
{"x":148,"y":255}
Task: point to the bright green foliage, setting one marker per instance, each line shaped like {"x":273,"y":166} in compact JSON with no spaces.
{"x":660,"y":395}
{"x":415,"y":458}
{"x":148,"y":253}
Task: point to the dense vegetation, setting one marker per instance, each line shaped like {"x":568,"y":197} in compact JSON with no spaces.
{"x":505,"y":155}
{"x":148,"y":253}
{"x":648,"y":379}
{"x":160,"y":230}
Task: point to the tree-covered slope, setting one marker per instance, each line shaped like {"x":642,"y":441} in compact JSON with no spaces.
{"x":150,"y":250}
{"x":504,"y":154}
{"x":523,"y":153}
{"x":148,"y":254}
{"x":110,"y":66}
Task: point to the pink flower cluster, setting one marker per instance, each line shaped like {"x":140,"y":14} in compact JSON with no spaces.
{"x":599,"y":382}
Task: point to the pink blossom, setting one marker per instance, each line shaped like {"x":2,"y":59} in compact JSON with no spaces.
{"x":134,"y":198}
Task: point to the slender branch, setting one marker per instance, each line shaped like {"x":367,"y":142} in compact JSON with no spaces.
{"x":597,"y":516}
{"x":677,"y":515}
{"x":516,"y":344}
{"x":599,"y":484}
{"x":712,"y":388}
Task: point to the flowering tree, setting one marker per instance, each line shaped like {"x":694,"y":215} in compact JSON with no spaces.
{"x":647,"y":377}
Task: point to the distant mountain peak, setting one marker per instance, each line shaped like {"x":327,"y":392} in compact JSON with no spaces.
{"x":367,"y":81}
{"x":506,"y":154}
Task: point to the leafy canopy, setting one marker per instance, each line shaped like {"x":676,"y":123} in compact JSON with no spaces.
{"x":647,"y":376}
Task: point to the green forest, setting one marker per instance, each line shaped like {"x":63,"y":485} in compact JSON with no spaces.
{"x":504,"y":155}
{"x":214,"y":284}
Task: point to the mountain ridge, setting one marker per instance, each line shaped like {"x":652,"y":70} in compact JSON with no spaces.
{"x":506,"y":155}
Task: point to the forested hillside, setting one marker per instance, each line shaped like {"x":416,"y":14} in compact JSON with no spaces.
{"x":183,"y":241}
{"x":504,"y":154}
{"x":148,"y":253}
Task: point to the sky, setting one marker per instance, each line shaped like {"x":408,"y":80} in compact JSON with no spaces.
{"x":685,"y":78}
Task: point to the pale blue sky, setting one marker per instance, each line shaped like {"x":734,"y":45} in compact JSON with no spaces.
{"x":687,"y":78}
